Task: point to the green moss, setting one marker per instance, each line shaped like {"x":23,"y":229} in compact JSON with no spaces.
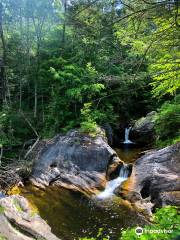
{"x":17,"y":205}
{"x":2,"y":209}
{"x":3,"y":238}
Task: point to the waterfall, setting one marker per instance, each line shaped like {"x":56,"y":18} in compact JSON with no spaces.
{"x":126,"y":137}
{"x":113,"y":184}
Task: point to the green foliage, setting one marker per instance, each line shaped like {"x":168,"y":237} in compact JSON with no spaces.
{"x":6,"y":129}
{"x":166,"y":218}
{"x":3,"y":238}
{"x":17,"y":205}
{"x":13,"y":128}
{"x":1,"y":209}
{"x":71,"y":87}
{"x":88,"y":123}
{"x":165,"y":65}
{"x":119,"y":65}
{"x":167,"y":124}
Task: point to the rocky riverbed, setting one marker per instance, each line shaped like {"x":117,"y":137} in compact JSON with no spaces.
{"x":85,"y":164}
{"x":155,"y":179}
{"x":19,"y":221}
{"x":75,"y":161}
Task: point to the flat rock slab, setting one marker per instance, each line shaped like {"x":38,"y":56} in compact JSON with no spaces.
{"x":18,"y":221}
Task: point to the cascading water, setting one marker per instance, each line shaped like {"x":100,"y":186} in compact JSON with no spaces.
{"x":127,"y":131}
{"x":113,"y":184}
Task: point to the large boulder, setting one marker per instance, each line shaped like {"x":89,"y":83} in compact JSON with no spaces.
{"x":109,"y":133}
{"x":76,"y":161}
{"x":155,"y":178}
{"x":18,"y":221}
{"x":142,"y":131}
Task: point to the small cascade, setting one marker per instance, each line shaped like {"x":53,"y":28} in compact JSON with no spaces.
{"x":126,"y":137}
{"x":113,"y":184}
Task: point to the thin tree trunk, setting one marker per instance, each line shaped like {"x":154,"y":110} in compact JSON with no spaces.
{"x":38,"y":29}
{"x":28,"y":56}
{"x":1,"y":153}
{"x":20,"y":94}
{"x":42,"y":101}
{"x":21,"y":65}
{"x":64,"y":24}
{"x":35,"y":99}
{"x":3,"y":86}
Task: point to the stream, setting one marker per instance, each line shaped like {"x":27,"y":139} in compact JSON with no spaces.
{"x":72,"y":216}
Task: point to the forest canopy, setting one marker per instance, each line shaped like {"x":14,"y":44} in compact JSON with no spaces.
{"x":81,"y":63}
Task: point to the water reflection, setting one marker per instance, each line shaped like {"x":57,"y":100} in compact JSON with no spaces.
{"x":71,"y":215}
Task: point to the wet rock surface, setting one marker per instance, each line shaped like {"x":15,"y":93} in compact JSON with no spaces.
{"x":142,"y":131}
{"x":18,"y":221}
{"x":76,"y":161}
{"x":155,"y":179}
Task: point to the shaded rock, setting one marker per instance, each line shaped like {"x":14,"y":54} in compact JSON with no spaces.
{"x":114,"y":168}
{"x":109,"y":133}
{"x":18,"y":221}
{"x":76,"y":161}
{"x":156,"y":177}
{"x":142,"y":131}
{"x":170,"y":198}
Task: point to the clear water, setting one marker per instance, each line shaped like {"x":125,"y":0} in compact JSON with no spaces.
{"x":126,"y":137}
{"x":113,"y":184}
{"x":72,"y":215}
{"x":110,"y":187}
{"x":128,"y":154}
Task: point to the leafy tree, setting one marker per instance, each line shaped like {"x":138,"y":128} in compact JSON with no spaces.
{"x":117,"y":56}
{"x":168,"y":123}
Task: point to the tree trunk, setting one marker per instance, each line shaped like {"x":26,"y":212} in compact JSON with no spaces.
{"x":35,"y":99}
{"x":64,"y":24}
{"x":21,"y":63}
{"x":2,"y":61}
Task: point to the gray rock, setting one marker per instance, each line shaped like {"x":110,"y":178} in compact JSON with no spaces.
{"x":155,"y":176}
{"x":109,"y":133}
{"x":75,"y":161}
{"x":18,"y":221}
{"x":142,"y":131}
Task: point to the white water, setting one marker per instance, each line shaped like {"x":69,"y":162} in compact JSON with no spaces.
{"x":113,"y":184}
{"x":127,"y":140}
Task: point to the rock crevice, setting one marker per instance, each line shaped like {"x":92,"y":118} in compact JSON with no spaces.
{"x":155,"y":178}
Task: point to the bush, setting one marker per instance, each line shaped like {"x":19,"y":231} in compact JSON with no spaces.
{"x":166,"y":226}
{"x":13,"y":128}
{"x":168,"y":124}
{"x":88,"y":123}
